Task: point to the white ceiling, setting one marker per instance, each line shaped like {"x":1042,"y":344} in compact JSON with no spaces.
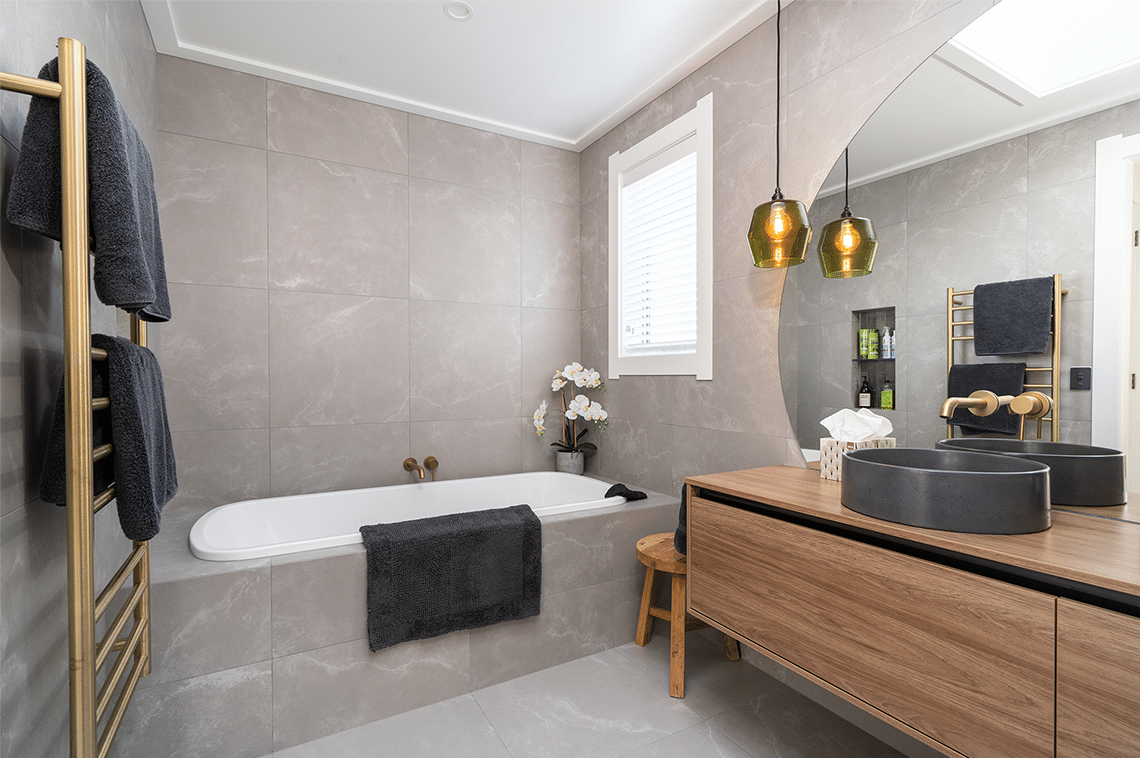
{"x":558,"y":72}
{"x":564,"y":72}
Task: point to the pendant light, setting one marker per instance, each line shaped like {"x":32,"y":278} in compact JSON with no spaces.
{"x":847,"y":245}
{"x":780,"y":231}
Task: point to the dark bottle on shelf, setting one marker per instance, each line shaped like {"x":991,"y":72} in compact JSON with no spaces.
{"x":865,"y":393}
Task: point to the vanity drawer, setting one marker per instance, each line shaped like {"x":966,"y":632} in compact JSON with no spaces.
{"x":964,"y":659}
{"x":1098,"y":682}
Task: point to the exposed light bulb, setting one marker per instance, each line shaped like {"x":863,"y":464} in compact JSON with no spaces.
{"x":847,"y":240}
{"x":779,"y":223}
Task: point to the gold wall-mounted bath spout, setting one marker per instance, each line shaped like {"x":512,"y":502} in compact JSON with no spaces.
{"x":980,"y":403}
{"x":411,"y":465}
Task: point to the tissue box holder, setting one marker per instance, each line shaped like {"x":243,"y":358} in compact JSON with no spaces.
{"x":831,"y":454}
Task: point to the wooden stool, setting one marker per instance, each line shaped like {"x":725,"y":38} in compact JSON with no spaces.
{"x":657,"y":553}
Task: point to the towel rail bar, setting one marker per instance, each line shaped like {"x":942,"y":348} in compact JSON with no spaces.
{"x":101,"y":452}
{"x":116,"y":583}
{"x":126,"y":648}
{"x":112,"y":635}
{"x":100,"y":403}
{"x":82,"y":504}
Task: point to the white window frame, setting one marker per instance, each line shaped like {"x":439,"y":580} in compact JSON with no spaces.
{"x":696,"y":125}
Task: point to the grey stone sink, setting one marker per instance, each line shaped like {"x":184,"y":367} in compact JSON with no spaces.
{"x":1078,"y":474}
{"x":950,"y":490}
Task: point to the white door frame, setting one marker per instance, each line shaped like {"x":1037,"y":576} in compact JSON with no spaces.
{"x":1115,"y":157}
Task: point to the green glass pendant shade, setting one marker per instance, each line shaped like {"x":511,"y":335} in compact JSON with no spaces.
{"x":779,"y":234}
{"x":847,"y":247}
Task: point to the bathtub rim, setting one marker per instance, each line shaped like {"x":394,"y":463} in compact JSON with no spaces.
{"x":300,"y":547}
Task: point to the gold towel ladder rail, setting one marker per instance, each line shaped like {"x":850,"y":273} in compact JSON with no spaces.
{"x":84,"y":610}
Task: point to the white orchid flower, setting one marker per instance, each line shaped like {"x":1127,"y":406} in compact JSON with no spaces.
{"x":593,"y":379}
{"x":578,"y":407}
{"x":557,"y":384}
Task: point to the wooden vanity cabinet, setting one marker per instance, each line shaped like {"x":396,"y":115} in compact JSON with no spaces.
{"x":965,"y":661}
{"x":1098,"y":682}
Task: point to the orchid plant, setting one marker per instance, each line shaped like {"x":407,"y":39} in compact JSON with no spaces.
{"x":580,"y":406}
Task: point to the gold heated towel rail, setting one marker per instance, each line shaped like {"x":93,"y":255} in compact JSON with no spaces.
{"x":953,"y":306}
{"x":84,"y":609}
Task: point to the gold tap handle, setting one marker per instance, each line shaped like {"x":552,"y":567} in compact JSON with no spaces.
{"x":431,"y":464}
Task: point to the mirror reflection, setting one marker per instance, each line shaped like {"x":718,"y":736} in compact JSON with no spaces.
{"x":973,"y":172}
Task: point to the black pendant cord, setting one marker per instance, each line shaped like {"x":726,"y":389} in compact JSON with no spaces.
{"x":846,"y":185}
{"x":778,"y":195}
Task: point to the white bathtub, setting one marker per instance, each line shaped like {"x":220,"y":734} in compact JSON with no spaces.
{"x":281,"y":525}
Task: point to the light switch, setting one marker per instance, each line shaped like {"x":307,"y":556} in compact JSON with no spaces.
{"x":1080,"y":378}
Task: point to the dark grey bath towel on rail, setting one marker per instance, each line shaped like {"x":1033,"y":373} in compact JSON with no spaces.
{"x":432,"y":576}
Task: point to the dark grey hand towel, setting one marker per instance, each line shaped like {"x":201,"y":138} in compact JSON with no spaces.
{"x":129,"y":267}
{"x":432,"y":576}
{"x":145,"y":477}
{"x":999,"y":378}
{"x":626,"y":492}
{"x":681,"y":536}
{"x":1013,"y":318}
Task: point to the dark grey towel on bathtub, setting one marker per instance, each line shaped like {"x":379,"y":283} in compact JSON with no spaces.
{"x":144,"y":471}
{"x":1013,"y":318}
{"x":999,"y":378}
{"x":127,"y":247}
{"x":432,"y":576}
{"x":626,"y":492}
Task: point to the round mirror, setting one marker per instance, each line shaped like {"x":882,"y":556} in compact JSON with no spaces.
{"x":975,"y":170}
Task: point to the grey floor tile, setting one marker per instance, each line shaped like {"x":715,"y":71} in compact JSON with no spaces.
{"x":454,"y":728}
{"x":713,"y":684}
{"x":700,"y":741}
{"x":602,"y":706}
{"x":784,"y":724}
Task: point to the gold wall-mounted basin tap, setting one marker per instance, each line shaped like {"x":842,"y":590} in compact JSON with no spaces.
{"x":980,"y":403}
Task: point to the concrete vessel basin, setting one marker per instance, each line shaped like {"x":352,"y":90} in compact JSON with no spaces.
{"x":951,"y":490}
{"x":1078,"y":474}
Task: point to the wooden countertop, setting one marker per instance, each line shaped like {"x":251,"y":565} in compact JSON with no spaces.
{"x":1095,"y":546}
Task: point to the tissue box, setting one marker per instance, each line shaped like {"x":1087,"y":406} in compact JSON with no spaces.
{"x":831,"y":454}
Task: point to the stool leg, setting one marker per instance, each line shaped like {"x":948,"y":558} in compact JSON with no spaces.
{"x":731,"y":648}
{"x":644,"y":620}
{"x":677,"y":638}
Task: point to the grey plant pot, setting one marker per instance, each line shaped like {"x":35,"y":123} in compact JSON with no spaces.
{"x":569,"y":463}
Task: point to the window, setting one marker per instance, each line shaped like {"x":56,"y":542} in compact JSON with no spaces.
{"x":661,"y":251}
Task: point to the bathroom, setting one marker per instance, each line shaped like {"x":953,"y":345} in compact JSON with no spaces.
{"x":289,"y":340}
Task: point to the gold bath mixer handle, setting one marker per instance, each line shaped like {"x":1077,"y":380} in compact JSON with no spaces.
{"x":431,"y":464}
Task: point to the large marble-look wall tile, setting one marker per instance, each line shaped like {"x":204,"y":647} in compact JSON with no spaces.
{"x":461,"y":155}
{"x":572,"y":625}
{"x":637,"y":452}
{"x":204,"y":625}
{"x":981,"y":176}
{"x":338,"y":457}
{"x":551,"y":266}
{"x":699,"y":451}
{"x":216,"y":467}
{"x":1060,"y":230}
{"x":226,"y":713}
{"x":11,"y":117}
{"x":334,"y":688}
{"x":745,"y":178}
{"x":577,"y":552}
{"x":1067,"y":152}
{"x":962,"y":248}
{"x":11,"y":368}
{"x":315,"y":124}
{"x":33,"y":631}
{"x":885,"y":287}
{"x":474,"y":447}
{"x":465,"y":244}
{"x":551,"y":339}
{"x":337,"y":359}
{"x":318,"y":602}
{"x":467,"y":361}
{"x":549,"y":173}
{"x":216,"y":358}
{"x":210,"y":197}
{"x":595,"y":262}
{"x":199,"y":100}
{"x":337,"y":228}
{"x":745,"y":362}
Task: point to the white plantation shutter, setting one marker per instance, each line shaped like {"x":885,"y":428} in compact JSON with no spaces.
{"x":659,"y":261}
{"x":660,"y":309}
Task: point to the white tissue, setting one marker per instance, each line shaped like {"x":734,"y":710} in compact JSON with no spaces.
{"x":849,"y":426}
